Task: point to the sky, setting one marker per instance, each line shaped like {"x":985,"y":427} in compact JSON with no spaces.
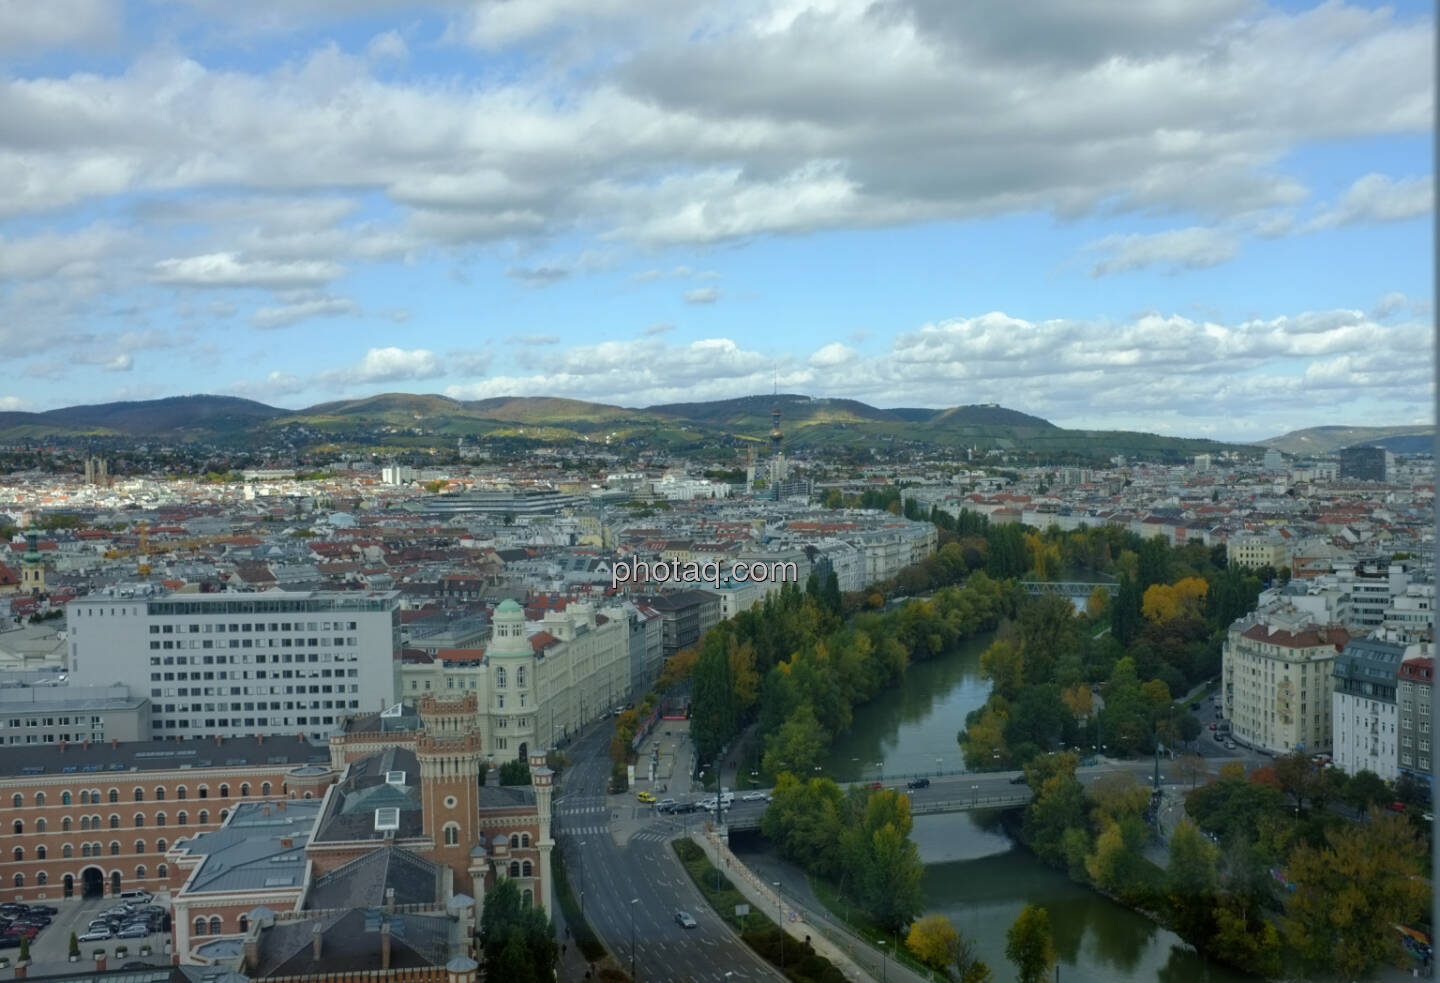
{"x":1190,"y":217}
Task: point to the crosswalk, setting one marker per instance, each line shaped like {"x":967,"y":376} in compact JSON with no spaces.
{"x":584,"y":830}
{"x":581,"y":811}
{"x":653,"y":835}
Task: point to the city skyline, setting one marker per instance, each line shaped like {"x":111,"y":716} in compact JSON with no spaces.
{"x":1207,"y":221}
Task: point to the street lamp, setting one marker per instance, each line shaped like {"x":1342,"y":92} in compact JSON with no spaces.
{"x":881,"y":766}
{"x":884,"y":961}
{"x":780,"y":907}
{"x":938,"y":762}
{"x":633,"y":902}
{"x":974,"y":794}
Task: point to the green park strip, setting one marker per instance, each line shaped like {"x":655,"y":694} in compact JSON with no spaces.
{"x":580,"y":930}
{"x":800,"y":964}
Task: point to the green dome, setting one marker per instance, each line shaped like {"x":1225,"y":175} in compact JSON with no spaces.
{"x":509,"y":607}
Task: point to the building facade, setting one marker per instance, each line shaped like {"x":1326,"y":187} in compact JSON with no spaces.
{"x":51,"y":714}
{"x":1413,"y":694}
{"x":1277,"y":672}
{"x":1364,"y":707}
{"x":90,"y":819}
{"x":534,"y":688}
{"x":1365,"y":463}
{"x":234,"y":665}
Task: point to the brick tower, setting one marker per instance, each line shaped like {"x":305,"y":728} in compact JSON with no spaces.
{"x":450,"y":757}
{"x":541,"y":778}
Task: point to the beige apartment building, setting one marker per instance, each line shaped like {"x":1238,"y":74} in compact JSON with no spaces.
{"x":1277,"y":671}
{"x":533,"y":687}
{"x":1258,"y":550}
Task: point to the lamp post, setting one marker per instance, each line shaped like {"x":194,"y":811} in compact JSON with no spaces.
{"x":780,"y":907}
{"x":884,"y":961}
{"x":881,"y":766}
{"x":938,"y":763}
{"x":974,"y":795}
{"x":633,"y":903}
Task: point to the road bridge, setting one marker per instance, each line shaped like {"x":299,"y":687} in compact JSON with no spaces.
{"x":746,"y":815}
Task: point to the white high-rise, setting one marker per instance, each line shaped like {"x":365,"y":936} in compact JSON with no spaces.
{"x":232,"y":665}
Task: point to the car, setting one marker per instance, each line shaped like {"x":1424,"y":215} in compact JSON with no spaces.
{"x":665,"y":805}
{"x":96,"y":935}
{"x":133,"y":932}
{"x":1219,"y":737}
{"x":1214,"y":726}
{"x":876,"y":786}
{"x":1229,"y":745}
{"x":707,"y":804}
{"x":753,"y":797}
{"x":645,"y":796}
{"x":1019,"y":780}
{"x":9,"y":941}
{"x":614,"y":788}
{"x":1397,"y":807}
{"x":685,"y":807}
{"x":683,"y":919}
{"x":44,"y":909}
{"x":918,"y":783}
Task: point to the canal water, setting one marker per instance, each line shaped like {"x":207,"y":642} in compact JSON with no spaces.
{"x":975,"y":874}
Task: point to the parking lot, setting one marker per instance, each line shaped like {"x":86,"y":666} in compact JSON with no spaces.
{"x":51,"y":948}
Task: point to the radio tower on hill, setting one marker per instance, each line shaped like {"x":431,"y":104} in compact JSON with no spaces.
{"x":777,"y":467}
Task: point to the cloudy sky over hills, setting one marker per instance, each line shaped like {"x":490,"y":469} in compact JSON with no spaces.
{"x":1207,"y":217}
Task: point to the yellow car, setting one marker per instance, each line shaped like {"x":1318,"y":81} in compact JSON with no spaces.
{"x":645,"y":797}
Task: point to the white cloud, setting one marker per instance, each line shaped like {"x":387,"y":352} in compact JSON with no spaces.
{"x":658,"y":329}
{"x":537,"y":276}
{"x":389,"y":46}
{"x":832,"y":355}
{"x":28,"y":26}
{"x":386,"y":365}
{"x":12,"y":404}
{"x":702,"y":295}
{"x":533,"y":339}
{"x":288,"y":314}
{"x":1181,"y":249}
{"x":61,"y":254}
{"x":230,"y":270}
{"x":1380,"y":198}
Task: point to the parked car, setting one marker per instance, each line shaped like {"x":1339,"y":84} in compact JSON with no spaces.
{"x":28,"y":931}
{"x":683,"y":919}
{"x":44,"y":909}
{"x":1213,"y":726}
{"x":918,"y":783}
{"x":1229,"y":745}
{"x":9,"y":941}
{"x":96,"y":935}
{"x":1020,"y":779}
{"x":753,"y":797}
{"x":1397,"y":807}
{"x":133,"y":932}
{"x":876,"y":786}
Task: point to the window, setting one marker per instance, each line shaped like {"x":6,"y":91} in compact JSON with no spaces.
{"x":500,"y":678}
{"x":160,"y":846}
{"x":84,"y":797}
{"x":40,"y":852}
{"x":182,"y":792}
{"x":18,"y":800}
{"x":19,"y":880}
{"x":39,"y":825}
{"x":19,"y":826}
{"x":520,"y":676}
{"x":514,"y":868}
{"x":204,"y":792}
{"x":215,"y":928}
{"x":514,"y":841}
{"x":140,"y":872}
{"x":67,"y":851}
{"x":452,"y":835}
{"x":64,"y":798}
{"x":525,"y":839}
{"x":162,"y":871}
{"x":114,"y":795}
{"x":84,"y":849}
{"x":139,"y":794}
{"x":159,"y":793}
{"x":200,"y":924}
{"x":265,"y":788}
{"x":181,"y":819}
{"x":19,"y":853}
{"x":244,"y":789}
{"x":204,"y":817}
{"x":527,"y":897}
{"x":39,"y":798}
{"x":114,"y":821}
{"x":525,"y":869}
{"x":139,"y":820}
{"x":114,"y":848}
{"x":224,"y":791}
{"x":159,"y":819}
{"x":139,"y":846}
{"x":42,"y":878}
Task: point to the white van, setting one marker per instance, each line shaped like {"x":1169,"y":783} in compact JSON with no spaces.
{"x":142,"y":897}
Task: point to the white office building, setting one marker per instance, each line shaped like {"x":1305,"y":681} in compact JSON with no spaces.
{"x":236,"y":665}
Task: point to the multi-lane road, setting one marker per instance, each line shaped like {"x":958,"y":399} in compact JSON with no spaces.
{"x":639,"y":887}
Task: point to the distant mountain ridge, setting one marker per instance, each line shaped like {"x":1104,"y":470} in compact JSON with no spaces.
{"x":1413,"y":439}
{"x":807,"y":422}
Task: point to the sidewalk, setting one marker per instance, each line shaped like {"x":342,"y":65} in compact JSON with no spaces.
{"x":856,"y":960}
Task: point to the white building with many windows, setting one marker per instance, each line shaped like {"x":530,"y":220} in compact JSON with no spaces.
{"x":536,"y":682}
{"x":1364,"y":709}
{"x":236,"y":665}
{"x":1277,"y":670}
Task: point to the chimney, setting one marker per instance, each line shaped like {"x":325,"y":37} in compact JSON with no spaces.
{"x":86,"y":745}
{"x":115,"y":742}
{"x":286,"y":843}
{"x":259,"y":738}
{"x":252,"y":950}
{"x":219,"y":739}
{"x":384,"y":945}
{"x":317,"y":935}
{"x":62,"y":746}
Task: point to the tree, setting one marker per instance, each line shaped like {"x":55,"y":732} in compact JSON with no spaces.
{"x":514,"y":773}
{"x":933,"y":940}
{"x":1125,"y":615}
{"x":1097,"y":602}
{"x":1003,"y":663}
{"x":74,"y":945}
{"x":797,"y":746}
{"x":517,"y":942}
{"x":1190,"y":883}
{"x":24,"y":954}
{"x":1184,"y":599}
{"x":1366,"y":789}
{"x":1352,"y":892}
{"x":1030,"y":946}
{"x":1295,"y":773}
{"x":969,"y":967}
{"x":1192,"y":766}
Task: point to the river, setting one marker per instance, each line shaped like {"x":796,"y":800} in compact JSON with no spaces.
{"x":975,"y":874}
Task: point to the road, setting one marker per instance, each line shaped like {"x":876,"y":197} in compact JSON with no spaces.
{"x":644,"y":871}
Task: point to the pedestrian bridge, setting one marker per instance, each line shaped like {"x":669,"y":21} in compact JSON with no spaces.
{"x":1069,"y":588}
{"x":746,"y":815}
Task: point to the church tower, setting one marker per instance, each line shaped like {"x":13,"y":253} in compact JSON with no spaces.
{"x":541,"y":778}
{"x":32,"y":565}
{"x":450,"y":760}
